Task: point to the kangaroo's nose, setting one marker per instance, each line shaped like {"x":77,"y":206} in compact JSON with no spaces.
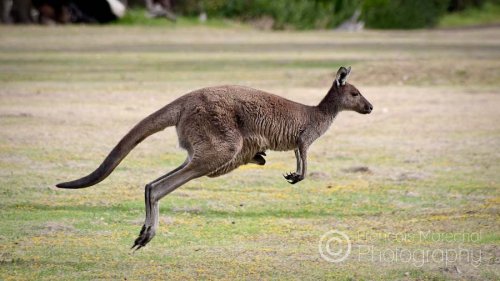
{"x":368,"y":107}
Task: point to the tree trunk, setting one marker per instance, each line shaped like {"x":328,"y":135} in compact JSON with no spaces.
{"x":21,"y":11}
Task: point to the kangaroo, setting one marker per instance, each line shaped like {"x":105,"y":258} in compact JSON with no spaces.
{"x":224,"y":127}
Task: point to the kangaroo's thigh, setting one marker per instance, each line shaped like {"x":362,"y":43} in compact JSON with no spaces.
{"x":213,"y":152}
{"x":210,"y":143}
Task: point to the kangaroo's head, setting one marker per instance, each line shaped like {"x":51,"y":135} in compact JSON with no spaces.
{"x":350,"y":97}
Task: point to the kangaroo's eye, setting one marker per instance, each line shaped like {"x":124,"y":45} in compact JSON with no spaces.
{"x":355,"y":94}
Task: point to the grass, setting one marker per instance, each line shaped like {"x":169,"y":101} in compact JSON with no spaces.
{"x":488,"y":14}
{"x":430,"y":146}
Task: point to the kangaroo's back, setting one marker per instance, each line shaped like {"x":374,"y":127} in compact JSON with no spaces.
{"x":256,"y":111}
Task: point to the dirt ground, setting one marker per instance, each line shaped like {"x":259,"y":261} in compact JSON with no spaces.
{"x":415,"y":186}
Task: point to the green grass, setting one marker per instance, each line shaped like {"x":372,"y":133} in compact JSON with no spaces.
{"x":487,"y":15}
{"x":431,"y":146}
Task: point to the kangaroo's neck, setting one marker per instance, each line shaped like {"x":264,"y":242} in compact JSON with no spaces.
{"x":323,"y":114}
{"x":330,"y":105}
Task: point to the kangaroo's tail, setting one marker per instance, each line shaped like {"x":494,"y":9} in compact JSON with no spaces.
{"x":158,"y":121}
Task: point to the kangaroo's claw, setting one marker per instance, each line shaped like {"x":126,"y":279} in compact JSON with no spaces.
{"x":146,"y":234}
{"x":293,"y":178}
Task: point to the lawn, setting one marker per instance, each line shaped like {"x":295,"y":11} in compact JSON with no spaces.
{"x":411,"y":185}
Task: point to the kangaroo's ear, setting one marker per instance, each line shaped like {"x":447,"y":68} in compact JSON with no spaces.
{"x":342,"y":75}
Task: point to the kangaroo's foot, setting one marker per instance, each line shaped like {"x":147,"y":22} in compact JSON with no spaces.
{"x":259,"y":158}
{"x":147,"y":233}
{"x":293,"y":178}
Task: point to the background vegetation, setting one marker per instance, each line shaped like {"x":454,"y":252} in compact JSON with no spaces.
{"x":404,"y":14}
{"x":487,"y":14}
{"x":311,"y":14}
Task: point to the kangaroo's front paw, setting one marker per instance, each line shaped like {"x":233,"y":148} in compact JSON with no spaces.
{"x":146,"y":234}
{"x":293,"y":178}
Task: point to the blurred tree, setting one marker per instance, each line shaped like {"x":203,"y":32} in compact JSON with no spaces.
{"x":4,"y":10}
{"x":460,"y":5}
{"x":404,"y":14}
{"x":301,"y":14}
{"x":21,"y":11}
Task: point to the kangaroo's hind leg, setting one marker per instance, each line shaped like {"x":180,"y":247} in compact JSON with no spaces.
{"x":174,"y":170}
{"x":154,"y":191}
{"x":198,"y":166}
{"x":147,"y":194}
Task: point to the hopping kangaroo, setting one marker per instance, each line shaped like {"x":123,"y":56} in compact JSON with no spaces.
{"x":225,"y":127}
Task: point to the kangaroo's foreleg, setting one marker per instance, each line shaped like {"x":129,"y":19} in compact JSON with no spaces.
{"x":301,"y":157}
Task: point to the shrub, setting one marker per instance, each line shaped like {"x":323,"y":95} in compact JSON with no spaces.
{"x":460,"y":5}
{"x":406,"y":14}
{"x":300,"y":14}
{"x":310,"y":14}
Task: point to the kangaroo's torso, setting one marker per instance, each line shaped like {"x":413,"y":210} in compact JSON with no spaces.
{"x":263,"y":120}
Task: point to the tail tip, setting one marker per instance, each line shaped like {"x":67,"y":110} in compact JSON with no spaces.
{"x":64,"y":185}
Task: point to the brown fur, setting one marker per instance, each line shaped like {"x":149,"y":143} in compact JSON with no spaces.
{"x":225,"y":127}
